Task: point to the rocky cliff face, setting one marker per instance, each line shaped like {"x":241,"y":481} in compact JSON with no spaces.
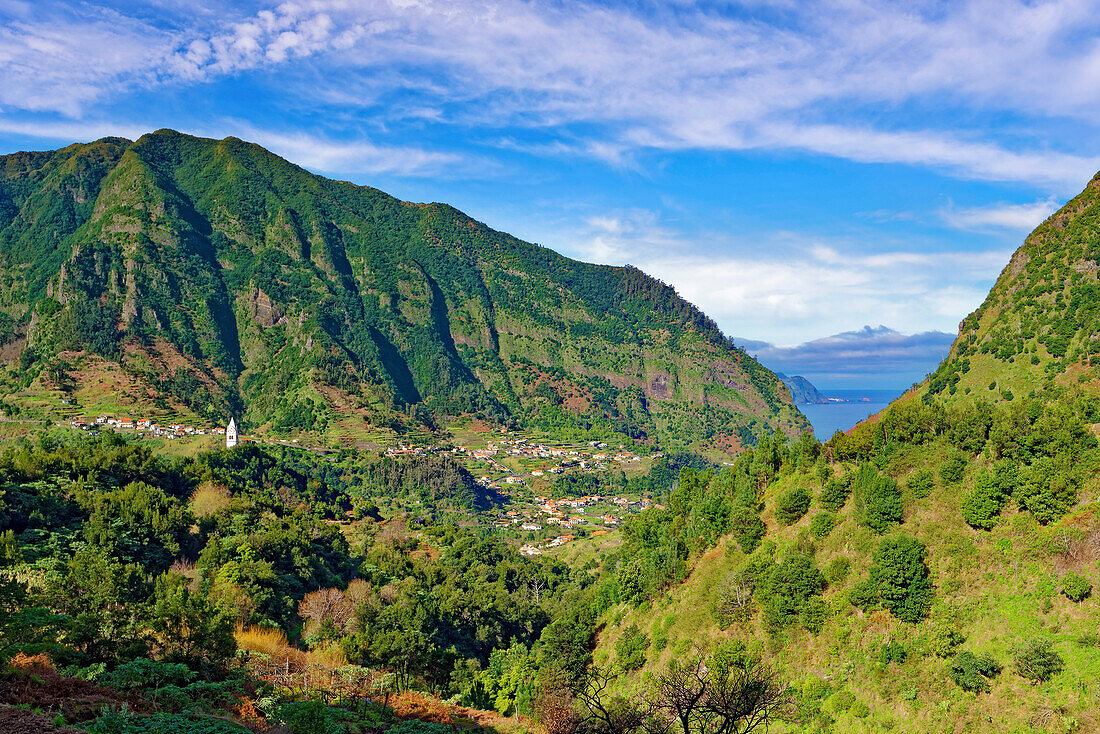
{"x":802,"y":390}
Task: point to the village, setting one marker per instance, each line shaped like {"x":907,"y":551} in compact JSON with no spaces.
{"x":523,"y":471}
{"x":549,"y":512}
{"x":145,"y":425}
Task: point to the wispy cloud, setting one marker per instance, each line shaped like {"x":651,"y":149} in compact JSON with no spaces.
{"x":789,"y":288}
{"x":711,"y":76}
{"x":323,"y":154}
{"x":71,"y":130}
{"x":1002,"y":216}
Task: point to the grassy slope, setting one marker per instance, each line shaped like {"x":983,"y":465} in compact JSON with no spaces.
{"x":996,"y":588}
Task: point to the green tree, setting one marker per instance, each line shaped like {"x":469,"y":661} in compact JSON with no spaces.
{"x":747,"y":528}
{"x":139,"y":523}
{"x":789,"y":585}
{"x":921,"y":483}
{"x":631,"y":647}
{"x":1047,"y":488}
{"x":567,"y":642}
{"x":953,"y":468}
{"x":792,"y":505}
{"x":188,"y":628}
{"x":877,"y":499}
{"x":24,"y":627}
{"x":822,"y":524}
{"x":101,"y":601}
{"x":1076,"y":588}
{"x":1036,"y":660}
{"x":834,"y":494}
{"x":900,"y":578}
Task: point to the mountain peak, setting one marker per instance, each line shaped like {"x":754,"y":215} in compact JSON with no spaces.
{"x":222,"y":278}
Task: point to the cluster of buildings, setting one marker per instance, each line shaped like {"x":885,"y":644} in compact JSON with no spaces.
{"x":533,"y":550}
{"x":556,"y":512}
{"x":146,"y":425}
{"x":151,"y":427}
{"x":407,"y":450}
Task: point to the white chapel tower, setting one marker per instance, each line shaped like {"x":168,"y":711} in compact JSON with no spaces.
{"x":231,"y":433}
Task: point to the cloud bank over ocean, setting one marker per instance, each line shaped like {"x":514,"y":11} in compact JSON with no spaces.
{"x":876,"y":357}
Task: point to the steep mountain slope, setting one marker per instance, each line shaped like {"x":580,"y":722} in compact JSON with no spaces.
{"x":1040,"y":324}
{"x":223,"y":278}
{"x":933,"y":569}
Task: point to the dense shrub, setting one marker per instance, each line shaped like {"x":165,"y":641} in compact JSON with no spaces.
{"x":838,"y":569}
{"x":877,"y":499}
{"x":953,"y":468}
{"x":992,"y":489}
{"x":1076,"y":588}
{"x":814,"y":614}
{"x":865,"y":595}
{"x":944,"y":639}
{"x":1047,"y":489}
{"x":112,"y":722}
{"x":899,"y":580}
{"x":789,"y":585}
{"x":834,"y":495}
{"x":1036,"y":660}
{"x":973,"y":672}
{"x":892,"y":652}
{"x":822,"y":524}
{"x":631,"y":647}
{"x":792,"y":505}
{"x":920,"y":484}
{"x":747,"y":528}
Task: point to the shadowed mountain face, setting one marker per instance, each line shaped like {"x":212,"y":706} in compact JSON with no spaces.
{"x":1039,"y":326}
{"x":802,"y":390}
{"x":221,"y":277}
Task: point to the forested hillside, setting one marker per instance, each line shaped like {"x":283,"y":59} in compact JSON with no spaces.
{"x":1040,"y":324}
{"x":222,"y":278}
{"x":932,"y":569}
{"x":132,"y":585}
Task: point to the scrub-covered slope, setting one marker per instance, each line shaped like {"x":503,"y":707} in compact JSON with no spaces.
{"x":1040,"y":324}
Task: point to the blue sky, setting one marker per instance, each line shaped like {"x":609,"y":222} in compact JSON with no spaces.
{"x":798,"y":170}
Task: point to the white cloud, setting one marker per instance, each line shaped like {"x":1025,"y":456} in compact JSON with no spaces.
{"x":321,"y":154}
{"x":793,"y":301}
{"x":1002,"y":216}
{"x":880,"y":355}
{"x":788,"y":288}
{"x":835,"y":77}
{"x":621,"y":236}
{"x":71,"y":130}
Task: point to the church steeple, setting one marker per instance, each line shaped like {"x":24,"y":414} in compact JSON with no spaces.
{"x":231,"y":433}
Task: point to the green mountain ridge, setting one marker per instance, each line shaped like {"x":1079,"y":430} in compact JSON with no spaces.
{"x":932,"y":569}
{"x":225,"y":279}
{"x":1040,"y":324}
